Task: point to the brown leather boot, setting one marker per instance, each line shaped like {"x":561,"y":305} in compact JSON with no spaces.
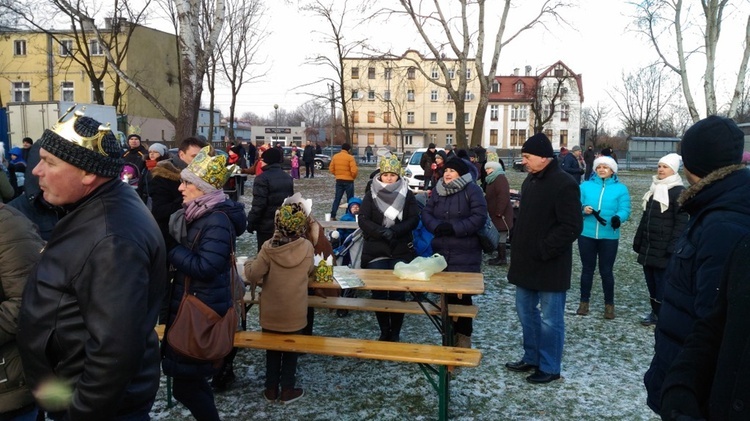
{"x":609,"y":311}
{"x":583,"y":309}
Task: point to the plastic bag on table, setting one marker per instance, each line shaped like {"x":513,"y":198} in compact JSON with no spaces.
{"x":421,"y":268}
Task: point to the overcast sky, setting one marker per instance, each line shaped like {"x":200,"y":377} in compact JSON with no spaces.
{"x":597,"y":44}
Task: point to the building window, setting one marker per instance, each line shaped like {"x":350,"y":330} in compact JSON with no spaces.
{"x":548,"y":133}
{"x":386,"y":138}
{"x":523,"y":112}
{"x":21,"y":91}
{"x":468,"y":74}
{"x":514,"y":113}
{"x":449,"y":139}
{"x":494,"y":112}
{"x":371,"y":95}
{"x":449,"y":118}
{"x":448,"y":95}
{"x":433,"y":138}
{"x":93,"y":92}
{"x":355,"y":72}
{"x":387,"y":117}
{"x":19,"y":47}
{"x":468,"y":96}
{"x":410,"y":117}
{"x":467,"y":117}
{"x":517,"y":137}
{"x":434,"y":73}
{"x":355,"y":95}
{"x":547,"y":111}
{"x":433,"y":95}
{"x":495,"y":87}
{"x":67,"y":93}
{"x":355,"y":138}
{"x":410,"y":95}
{"x":387,"y":73}
{"x":387,"y":95}
{"x":355,"y":116}
{"x":371,"y":116}
{"x":493,"y":137}
{"x":95,"y":48}
{"x":519,"y":87}
{"x":563,"y":138}
{"x":371,"y":73}
{"x":411,"y":73}
{"x":564,"y":112}
{"x":408,"y":139}
{"x":370,"y":138}
{"x":433,"y":118}
{"x":451,"y":73}
{"x":66,"y":47}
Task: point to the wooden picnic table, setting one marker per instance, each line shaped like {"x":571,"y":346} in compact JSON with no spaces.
{"x":339,"y":224}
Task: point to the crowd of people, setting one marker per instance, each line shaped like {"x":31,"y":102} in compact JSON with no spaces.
{"x":78,"y":203}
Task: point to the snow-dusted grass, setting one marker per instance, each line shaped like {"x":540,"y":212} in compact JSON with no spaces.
{"x":602,"y":371}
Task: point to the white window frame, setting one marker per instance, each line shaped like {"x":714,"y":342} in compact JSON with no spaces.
{"x":467,"y":117}
{"x":67,"y":88}
{"x":21,"y":90}
{"x":96,"y":48}
{"x":495,"y":87}
{"x":518,"y":87}
{"x":355,"y":95}
{"x":564,"y":112}
{"x":523,"y":112}
{"x":434,"y":74}
{"x":387,"y":73}
{"x":468,"y":96}
{"x":448,"y":139}
{"x":387,"y":95}
{"x":408,"y":139}
{"x":410,"y":95}
{"x":433,"y":118}
{"x":433,"y":95}
{"x":371,"y":95}
{"x":92,"y":90}
{"x":66,"y":47}
{"x":451,"y":73}
{"x":410,"y":117}
{"x":449,"y":117}
{"x":468,"y":74}
{"x":494,"y":112}
{"x":19,"y":47}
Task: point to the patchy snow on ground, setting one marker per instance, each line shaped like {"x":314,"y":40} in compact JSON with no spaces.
{"x":603,"y":363}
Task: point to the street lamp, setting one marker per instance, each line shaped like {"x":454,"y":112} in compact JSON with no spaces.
{"x":276,"y":131}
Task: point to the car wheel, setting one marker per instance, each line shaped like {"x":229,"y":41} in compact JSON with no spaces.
{"x":318,"y":165}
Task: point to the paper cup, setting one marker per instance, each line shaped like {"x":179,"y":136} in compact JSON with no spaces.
{"x":328,"y":217}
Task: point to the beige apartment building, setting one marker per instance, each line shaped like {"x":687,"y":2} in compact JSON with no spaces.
{"x":393,"y":101}
{"x":37,"y":67}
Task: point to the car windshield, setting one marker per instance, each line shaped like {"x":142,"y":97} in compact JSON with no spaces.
{"x":414,"y":160}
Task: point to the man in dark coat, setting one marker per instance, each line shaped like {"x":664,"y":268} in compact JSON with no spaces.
{"x":588,"y":157}
{"x":308,"y":157}
{"x":91,"y":303}
{"x":570,"y":163}
{"x":136,"y":154}
{"x":541,"y":261}
{"x":251,"y":152}
{"x":428,"y":158}
{"x":708,"y":380}
{"x":269,"y":191}
{"x":718,"y":202}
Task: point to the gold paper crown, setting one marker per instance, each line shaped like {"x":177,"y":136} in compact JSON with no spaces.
{"x":390,"y":164}
{"x":67,"y":130}
{"x":211,"y":169}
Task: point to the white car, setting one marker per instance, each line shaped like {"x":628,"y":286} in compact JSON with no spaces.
{"x":414,"y":174}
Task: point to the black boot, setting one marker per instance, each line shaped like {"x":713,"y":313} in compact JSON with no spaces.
{"x":225,"y":377}
{"x":384,"y":322}
{"x":500,"y":260}
{"x":397,"y":319}
{"x":653,"y":317}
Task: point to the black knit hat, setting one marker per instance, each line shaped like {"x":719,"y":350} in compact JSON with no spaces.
{"x":84,"y":143}
{"x":710,"y":144}
{"x":272,"y":156}
{"x":538,"y":145}
{"x":457,"y":164}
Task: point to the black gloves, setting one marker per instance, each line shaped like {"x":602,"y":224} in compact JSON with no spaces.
{"x":386,"y":234}
{"x":680,"y":404}
{"x":444,"y":229}
{"x":170,"y":242}
{"x":599,"y":218}
{"x":615,"y":221}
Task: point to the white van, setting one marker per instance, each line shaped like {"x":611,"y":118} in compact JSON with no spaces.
{"x":414,"y":174}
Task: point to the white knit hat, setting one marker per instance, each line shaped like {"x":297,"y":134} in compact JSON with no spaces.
{"x":605,"y":160}
{"x":673,"y":160}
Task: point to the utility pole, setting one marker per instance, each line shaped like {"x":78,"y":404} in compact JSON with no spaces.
{"x":333,"y":114}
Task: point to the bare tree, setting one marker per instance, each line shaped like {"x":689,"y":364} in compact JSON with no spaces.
{"x":668,"y":23}
{"x":462,"y":30}
{"x":241,"y":39}
{"x":641,"y":99}
{"x":593,"y":118}
{"x":550,"y":90}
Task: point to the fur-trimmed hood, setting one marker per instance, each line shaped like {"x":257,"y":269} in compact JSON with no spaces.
{"x":708,"y":180}
{"x":166,"y":169}
{"x":725,"y":188}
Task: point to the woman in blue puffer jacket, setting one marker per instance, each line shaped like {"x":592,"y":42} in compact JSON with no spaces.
{"x":605,"y":206}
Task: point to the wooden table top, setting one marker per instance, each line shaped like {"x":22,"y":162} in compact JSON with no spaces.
{"x":440,"y":283}
{"x":339,"y":224}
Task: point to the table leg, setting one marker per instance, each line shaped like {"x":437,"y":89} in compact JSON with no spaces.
{"x":447,"y":322}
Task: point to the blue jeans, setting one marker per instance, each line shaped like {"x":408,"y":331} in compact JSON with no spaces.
{"x":655,"y":282}
{"x":543,"y":331}
{"x":606,"y":251}
{"x":342,"y":186}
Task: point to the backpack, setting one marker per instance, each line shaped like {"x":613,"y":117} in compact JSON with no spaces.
{"x":421,"y":238}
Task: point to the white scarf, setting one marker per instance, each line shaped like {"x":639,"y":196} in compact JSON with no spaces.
{"x":660,"y":190}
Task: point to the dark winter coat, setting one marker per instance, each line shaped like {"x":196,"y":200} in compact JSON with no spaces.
{"x":206,"y":261}
{"x":91,"y":304}
{"x":719,"y":208}
{"x":269,"y":191}
{"x":20,"y":248}
{"x":549,"y":221}
{"x":137,"y":157}
{"x":570,"y":165}
{"x":371,"y":223}
{"x":32,"y":204}
{"x":466,"y":211}
{"x":658,"y":231}
{"x":308,"y":154}
{"x":425,"y":162}
{"x":166,"y":198}
{"x":711,"y":374}
{"x":498,"y":203}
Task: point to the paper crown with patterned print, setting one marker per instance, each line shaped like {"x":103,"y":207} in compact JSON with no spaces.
{"x":390,"y":164}
{"x":291,"y":220}
{"x":84,"y":143}
{"x":210,"y":169}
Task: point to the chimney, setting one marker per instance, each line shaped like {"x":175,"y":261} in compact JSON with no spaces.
{"x":515,"y":71}
{"x":107,"y":23}
{"x":528,"y":70}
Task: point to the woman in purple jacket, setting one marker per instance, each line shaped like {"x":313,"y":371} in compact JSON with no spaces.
{"x":455,"y":213}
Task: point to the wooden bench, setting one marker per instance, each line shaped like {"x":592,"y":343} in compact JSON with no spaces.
{"x":435,"y":360}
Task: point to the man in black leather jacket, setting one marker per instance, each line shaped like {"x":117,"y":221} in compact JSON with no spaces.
{"x":86,"y":326}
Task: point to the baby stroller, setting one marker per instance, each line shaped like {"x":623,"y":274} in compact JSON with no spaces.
{"x":349,"y":253}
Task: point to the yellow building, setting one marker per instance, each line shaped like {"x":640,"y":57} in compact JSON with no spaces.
{"x":36,"y":67}
{"x":391,"y":102}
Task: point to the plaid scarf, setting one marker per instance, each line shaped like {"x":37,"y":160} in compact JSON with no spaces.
{"x":390,"y":199}
{"x":454,"y":186}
